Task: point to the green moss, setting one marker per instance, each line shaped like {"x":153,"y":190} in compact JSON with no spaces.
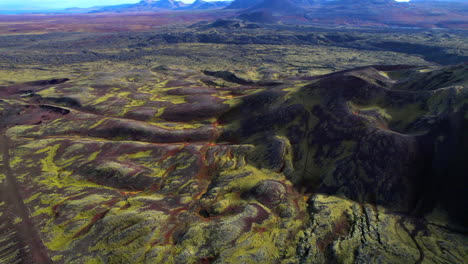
{"x":164,"y":226}
{"x":98,"y":123}
{"x":30,"y":73}
{"x":404,"y":115}
{"x":10,"y":257}
{"x":59,"y":238}
{"x":57,"y":258}
{"x":32,"y":197}
{"x":48,"y":164}
{"x":16,"y":131}
{"x":93,"y":261}
{"x":382,"y":111}
{"x":94,"y":155}
{"x":49,"y":92}
{"x":104,"y":98}
{"x":444,"y":99}
{"x":178,"y":126}
{"x":42,"y":210}
{"x":254,"y":176}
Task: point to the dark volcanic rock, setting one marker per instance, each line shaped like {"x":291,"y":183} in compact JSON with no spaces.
{"x":244,"y":4}
{"x":258,"y":17}
{"x":165,"y":166}
{"x":355,"y":144}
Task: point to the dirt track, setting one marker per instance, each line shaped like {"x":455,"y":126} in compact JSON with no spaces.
{"x":30,"y":246}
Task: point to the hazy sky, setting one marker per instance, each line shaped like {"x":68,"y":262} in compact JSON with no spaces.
{"x":60,"y":4}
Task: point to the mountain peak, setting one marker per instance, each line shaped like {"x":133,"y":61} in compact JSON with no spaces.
{"x":163,"y":4}
{"x":204,"y":5}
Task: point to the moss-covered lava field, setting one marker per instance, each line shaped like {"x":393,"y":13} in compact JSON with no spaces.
{"x":232,"y":142}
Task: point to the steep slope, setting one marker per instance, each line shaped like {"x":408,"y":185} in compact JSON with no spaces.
{"x":244,"y":4}
{"x":389,"y":12}
{"x":172,"y":166}
{"x":283,"y":7}
{"x":280,"y":7}
{"x":362,"y":12}
{"x":357,"y":108}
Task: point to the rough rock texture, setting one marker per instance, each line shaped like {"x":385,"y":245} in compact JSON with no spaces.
{"x":166,"y":166}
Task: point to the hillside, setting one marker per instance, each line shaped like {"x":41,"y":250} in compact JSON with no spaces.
{"x":287,"y":132}
{"x":182,"y":166}
{"x":361,"y":13}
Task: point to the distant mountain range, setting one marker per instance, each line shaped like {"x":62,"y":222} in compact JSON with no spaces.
{"x":157,"y":5}
{"x":204,"y":5}
{"x":374,"y":13}
{"x":420,"y":13}
{"x":366,"y":8}
{"x":279,"y":7}
{"x":288,"y":6}
{"x":275,"y":6}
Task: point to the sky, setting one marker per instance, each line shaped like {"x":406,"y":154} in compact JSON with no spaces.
{"x":60,"y":4}
{"x":8,"y":5}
